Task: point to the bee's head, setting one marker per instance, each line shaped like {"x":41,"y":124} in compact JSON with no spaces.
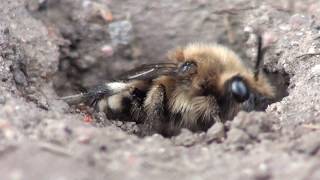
{"x":216,"y":70}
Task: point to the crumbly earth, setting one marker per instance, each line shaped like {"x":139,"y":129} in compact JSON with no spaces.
{"x":50,"y":48}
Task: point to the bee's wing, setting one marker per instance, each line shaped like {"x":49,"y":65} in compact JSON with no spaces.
{"x":149,"y":71}
{"x":92,"y":95}
{"x":74,"y":99}
{"x":144,"y":72}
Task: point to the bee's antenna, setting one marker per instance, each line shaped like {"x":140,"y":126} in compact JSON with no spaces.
{"x":259,"y":60}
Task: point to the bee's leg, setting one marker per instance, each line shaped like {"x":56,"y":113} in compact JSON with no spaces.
{"x":137,"y":111}
{"x":155,"y":109}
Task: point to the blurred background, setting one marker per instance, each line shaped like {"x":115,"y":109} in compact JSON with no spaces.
{"x":99,"y":39}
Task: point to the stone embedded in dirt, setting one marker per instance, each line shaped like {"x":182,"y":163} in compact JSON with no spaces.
{"x":100,"y":120}
{"x":253,"y":123}
{"x":19,"y":77}
{"x":216,"y":133}
{"x":188,"y":138}
{"x":121,"y":32}
{"x":107,"y":50}
{"x":297,"y":21}
{"x":315,"y":71}
{"x":309,"y":144}
{"x":130,"y":127}
{"x":249,"y":127}
{"x":238,"y":137}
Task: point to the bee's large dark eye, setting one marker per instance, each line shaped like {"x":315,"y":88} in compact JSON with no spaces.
{"x":239,"y":90}
{"x":188,"y":67}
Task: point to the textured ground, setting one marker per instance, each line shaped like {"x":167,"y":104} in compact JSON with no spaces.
{"x":58,"y":47}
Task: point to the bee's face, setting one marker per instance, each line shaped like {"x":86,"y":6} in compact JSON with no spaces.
{"x":213,"y":70}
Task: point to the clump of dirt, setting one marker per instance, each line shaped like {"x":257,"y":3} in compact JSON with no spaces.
{"x":247,"y":128}
{"x":59,"y":47}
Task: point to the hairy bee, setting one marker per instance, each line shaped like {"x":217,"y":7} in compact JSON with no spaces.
{"x":203,"y":84}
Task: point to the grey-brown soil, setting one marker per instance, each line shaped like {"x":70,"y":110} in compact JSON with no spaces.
{"x":51,"y":48}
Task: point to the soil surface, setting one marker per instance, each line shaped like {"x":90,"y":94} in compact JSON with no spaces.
{"x":52,"y":48}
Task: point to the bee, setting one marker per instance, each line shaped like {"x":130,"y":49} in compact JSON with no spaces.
{"x":201,"y":84}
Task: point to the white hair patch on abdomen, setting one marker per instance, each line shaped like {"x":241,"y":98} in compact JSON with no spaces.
{"x":115,"y":102}
{"x":117,"y":86}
